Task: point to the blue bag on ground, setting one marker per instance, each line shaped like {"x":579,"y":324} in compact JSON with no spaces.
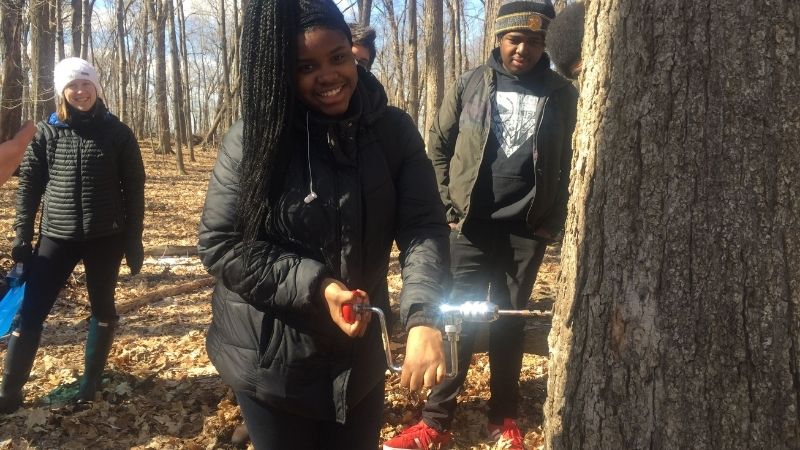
{"x":9,"y":305}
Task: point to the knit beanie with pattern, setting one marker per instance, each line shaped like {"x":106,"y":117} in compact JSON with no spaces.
{"x":518,"y":15}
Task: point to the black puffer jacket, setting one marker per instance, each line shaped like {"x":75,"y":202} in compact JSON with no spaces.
{"x":89,"y":180}
{"x":271,"y":335}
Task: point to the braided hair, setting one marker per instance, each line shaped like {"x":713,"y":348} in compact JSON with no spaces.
{"x":269,"y":53}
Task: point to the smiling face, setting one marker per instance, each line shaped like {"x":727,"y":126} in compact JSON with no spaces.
{"x":326,"y":75}
{"x":521,"y":50}
{"x":80,"y":94}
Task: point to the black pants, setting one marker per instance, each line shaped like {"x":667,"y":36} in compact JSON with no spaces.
{"x":51,"y":267}
{"x":271,"y":428}
{"x":505,"y":256}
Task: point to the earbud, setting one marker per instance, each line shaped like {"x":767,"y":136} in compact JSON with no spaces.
{"x":310,"y":197}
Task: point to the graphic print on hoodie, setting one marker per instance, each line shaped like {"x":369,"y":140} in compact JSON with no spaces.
{"x":506,"y":181}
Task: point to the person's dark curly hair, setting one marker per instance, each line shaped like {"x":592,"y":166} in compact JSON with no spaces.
{"x":565,"y":38}
{"x":365,"y":37}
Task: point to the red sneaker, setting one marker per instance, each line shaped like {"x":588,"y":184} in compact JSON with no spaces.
{"x":418,"y":437}
{"x":507,"y":435}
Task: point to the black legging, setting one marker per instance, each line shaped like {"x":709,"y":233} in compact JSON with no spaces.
{"x":271,"y":428}
{"x":53,"y":263}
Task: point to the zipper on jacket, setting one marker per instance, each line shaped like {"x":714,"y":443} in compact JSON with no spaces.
{"x":536,"y":150}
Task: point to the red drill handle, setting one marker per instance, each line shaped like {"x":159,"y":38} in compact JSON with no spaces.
{"x":348,"y":313}
{"x":349,"y":309}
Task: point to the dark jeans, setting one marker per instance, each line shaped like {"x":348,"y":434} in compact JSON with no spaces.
{"x":270,"y":428}
{"x":51,"y":267}
{"x":505,"y":256}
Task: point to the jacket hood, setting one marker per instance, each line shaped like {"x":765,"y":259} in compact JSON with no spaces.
{"x":540,"y":74}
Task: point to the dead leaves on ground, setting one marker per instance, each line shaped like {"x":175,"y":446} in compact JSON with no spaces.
{"x":160,"y":391}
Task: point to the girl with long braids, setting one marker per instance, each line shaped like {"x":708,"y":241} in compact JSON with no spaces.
{"x":309,"y":191}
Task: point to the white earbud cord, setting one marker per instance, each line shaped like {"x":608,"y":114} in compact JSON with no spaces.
{"x":311,"y":194}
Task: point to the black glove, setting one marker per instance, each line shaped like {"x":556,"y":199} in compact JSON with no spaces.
{"x":21,"y":251}
{"x":134,"y":255}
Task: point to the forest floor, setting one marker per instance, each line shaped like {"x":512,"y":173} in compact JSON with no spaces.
{"x":160,"y":390}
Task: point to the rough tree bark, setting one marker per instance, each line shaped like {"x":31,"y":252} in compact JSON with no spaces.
{"x":677,"y":324}
{"x":364,"y":12}
{"x":489,"y":41}
{"x":42,"y":58}
{"x":11,"y":94}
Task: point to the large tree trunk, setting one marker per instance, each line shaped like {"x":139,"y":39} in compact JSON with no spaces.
{"x":434,"y":59}
{"x":42,"y":58}
{"x":678,"y":322}
{"x":11,"y":94}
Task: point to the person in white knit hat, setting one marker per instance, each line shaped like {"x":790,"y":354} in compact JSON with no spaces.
{"x":85,"y":168}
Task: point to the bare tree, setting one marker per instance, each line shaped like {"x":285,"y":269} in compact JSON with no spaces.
{"x":76,"y":26}
{"x":226,"y":78}
{"x":676,"y":325}
{"x":122,"y":60}
{"x":59,"y":12}
{"x":42,"y":58}
{"x":434,"y":58}
{"x":11,"y":94}
{"x":364,"y":12}
{"x":490,"y":14}
{"x":159,"y":19}
{"x":86,"y":27}
{"x":413,"y":84}
{"x":177,"y":89}
{"x":185,"y":74}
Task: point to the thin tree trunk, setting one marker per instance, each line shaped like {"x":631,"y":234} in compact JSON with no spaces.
{"x":226,"y":73}
{"x":76,"y":24}
{"x":395,"y":47}
{"x":364,"y":12}
{"x":122,"y":61}
{"x":159,"y":24}
{"x":177,"y":89}
{"x":59,"y":30}
{"x":413,"y":84}
{"x":452,"y":73}
{"x":86,"y":28}
{"x":677,"y":324}
{"x":434,"y":59}
{"x":187,"y":97}
{"x":11,"y":94}
{"x":144,"y":65}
